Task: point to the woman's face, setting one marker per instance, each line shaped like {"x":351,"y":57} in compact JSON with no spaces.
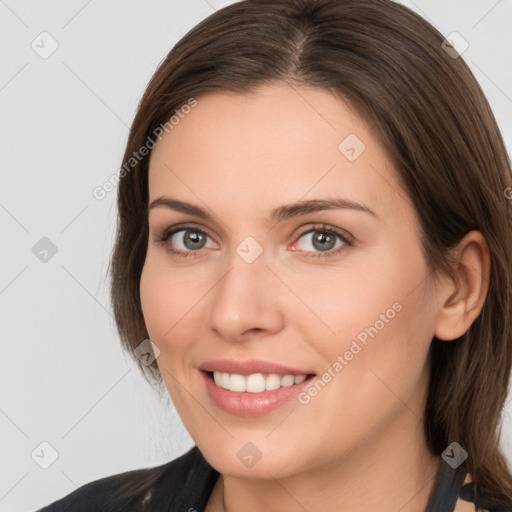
{"x":340,"y":292}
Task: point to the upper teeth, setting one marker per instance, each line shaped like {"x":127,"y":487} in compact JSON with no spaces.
{"x":256,"y":382}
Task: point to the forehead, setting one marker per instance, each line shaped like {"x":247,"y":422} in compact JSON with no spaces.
{"x":279,"y":119}
{"x":279,"y":144}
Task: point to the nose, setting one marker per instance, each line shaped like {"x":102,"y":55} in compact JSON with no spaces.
{"x":246,"y":300}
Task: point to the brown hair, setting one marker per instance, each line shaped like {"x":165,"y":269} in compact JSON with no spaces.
{"x":437,"y":126}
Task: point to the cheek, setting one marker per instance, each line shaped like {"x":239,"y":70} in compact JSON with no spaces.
{"x":377,"y":309}
{"x":353,"y":296}
{"x":385,"y":334}
{"x":167,"y":301}
{"x":374,"y":365}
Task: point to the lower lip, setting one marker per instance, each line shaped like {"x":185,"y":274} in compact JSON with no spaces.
{"x":251,"y":404}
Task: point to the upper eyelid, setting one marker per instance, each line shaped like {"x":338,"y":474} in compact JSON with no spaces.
{"x":175,"y":228}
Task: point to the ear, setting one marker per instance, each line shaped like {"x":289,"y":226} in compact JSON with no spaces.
{"x":461,"y":299}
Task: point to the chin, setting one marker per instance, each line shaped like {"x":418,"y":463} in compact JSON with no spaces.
{"x":245,"y":460}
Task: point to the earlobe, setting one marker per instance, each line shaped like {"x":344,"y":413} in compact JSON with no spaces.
{"x":461,"y":299}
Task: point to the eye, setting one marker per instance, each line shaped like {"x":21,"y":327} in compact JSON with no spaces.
{"x":325,"y":241}
{"x":185,"y":240}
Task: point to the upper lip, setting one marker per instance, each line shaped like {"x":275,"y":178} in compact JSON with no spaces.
{"x":249,"y":367}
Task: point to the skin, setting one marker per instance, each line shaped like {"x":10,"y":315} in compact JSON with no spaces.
{"x":240,"y":156}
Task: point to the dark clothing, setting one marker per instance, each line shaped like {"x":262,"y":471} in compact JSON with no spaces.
{"x":185,"y":484}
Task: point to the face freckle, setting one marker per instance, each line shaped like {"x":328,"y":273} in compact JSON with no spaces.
{"x":250,"y":293}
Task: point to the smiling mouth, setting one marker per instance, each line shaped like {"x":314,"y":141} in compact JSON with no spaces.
{"x":256,"y":382}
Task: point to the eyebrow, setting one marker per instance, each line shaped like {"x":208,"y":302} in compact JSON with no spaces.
{"x":277,"y":214}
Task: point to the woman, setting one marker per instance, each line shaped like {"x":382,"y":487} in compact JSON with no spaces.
{"x":314,"y":233}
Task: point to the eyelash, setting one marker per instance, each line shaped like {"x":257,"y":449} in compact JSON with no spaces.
{"x":347,"y":240}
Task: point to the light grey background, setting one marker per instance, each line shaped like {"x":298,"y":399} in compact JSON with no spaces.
{"x":64,"y":122}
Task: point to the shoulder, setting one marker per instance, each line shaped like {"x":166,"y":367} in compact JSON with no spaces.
{"x":133,"y":489}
